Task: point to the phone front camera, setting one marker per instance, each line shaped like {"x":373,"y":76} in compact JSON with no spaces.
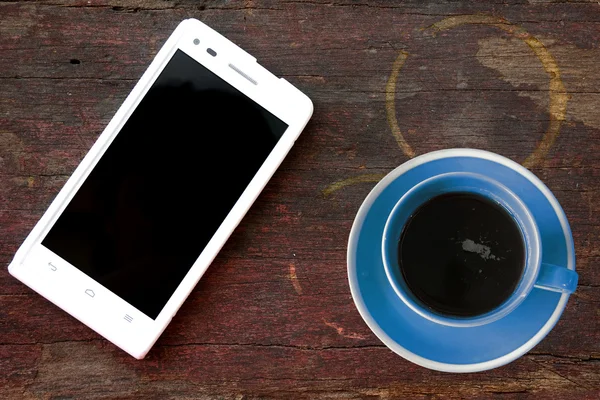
{"x":196,"y":42}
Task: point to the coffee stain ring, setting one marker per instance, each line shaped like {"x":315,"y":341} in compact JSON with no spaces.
{"x":557,"y":108}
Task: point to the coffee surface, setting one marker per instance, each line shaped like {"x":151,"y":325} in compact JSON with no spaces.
{"x":461,"y":254}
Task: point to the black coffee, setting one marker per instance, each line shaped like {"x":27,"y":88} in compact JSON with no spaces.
{"x":461,"y":254}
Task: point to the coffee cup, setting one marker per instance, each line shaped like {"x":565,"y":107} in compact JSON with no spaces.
{"x":468,"y":186}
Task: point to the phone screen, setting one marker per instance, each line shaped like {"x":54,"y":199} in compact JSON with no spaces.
{"x":165,"y":184}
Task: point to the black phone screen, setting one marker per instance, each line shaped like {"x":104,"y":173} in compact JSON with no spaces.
{"x":167,"y":181}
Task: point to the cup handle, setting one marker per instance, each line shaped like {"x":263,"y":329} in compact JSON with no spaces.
{"x":557,"y":279}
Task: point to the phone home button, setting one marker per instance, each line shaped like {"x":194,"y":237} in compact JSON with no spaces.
{"x":90,"y":292}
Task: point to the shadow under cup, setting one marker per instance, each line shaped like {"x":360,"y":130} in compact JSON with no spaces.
{"x":534,"y":273}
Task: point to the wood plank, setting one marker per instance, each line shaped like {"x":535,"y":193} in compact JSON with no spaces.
{"x":274,"y":317}
{"x":204,"y":371}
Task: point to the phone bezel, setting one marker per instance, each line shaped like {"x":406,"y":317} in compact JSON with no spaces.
{"x":66,"y":286}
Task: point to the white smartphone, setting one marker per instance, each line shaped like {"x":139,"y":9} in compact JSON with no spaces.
{"x":137,"y":224}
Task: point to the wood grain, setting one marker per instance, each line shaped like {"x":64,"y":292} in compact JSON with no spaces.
{"x":273,"y":317}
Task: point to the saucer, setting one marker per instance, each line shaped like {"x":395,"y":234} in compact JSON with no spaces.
{"x":446,"y":348}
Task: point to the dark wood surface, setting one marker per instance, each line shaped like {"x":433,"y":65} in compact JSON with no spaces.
{"x":273,"y":316}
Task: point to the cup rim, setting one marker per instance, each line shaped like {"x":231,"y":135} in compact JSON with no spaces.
{"x":531,"y":239}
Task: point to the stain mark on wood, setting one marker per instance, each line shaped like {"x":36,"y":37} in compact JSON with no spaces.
{"x":557,"y":107}
{"x":342,"y":332}
{"x":334,"y":187}
{"x":390,"y":105}
{"x":294,"y":279}
{"x":503,"y":54}
{"x":588,"y":197}
{"x":11,"y":150}
{"x":249,"y":7}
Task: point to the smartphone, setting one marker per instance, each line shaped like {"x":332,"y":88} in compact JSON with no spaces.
{"x":149,"y":207}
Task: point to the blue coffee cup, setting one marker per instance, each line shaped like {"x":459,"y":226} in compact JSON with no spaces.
{"x":535,"y":273}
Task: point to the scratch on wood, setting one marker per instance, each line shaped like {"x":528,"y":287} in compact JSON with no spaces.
{"x":560,"y":376}
{"x":294,"y":279}
{"x":329,"y":190}
{"x":390,"y":105}
{"x":558,"y":95}
{"x":341,"y":330}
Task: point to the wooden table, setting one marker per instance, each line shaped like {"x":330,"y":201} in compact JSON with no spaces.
{"x":273,"y":317}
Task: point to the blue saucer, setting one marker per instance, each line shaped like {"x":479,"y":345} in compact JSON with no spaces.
{"x":445,"y":348}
